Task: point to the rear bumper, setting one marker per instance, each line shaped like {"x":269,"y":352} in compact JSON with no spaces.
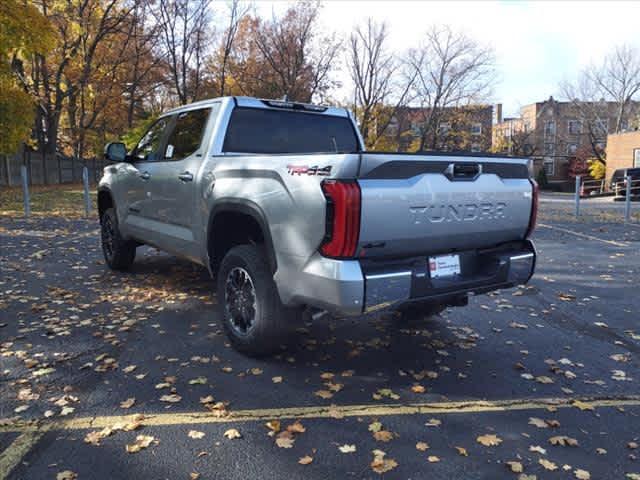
{"x":481,"y":271}
{"x":354,"y":287}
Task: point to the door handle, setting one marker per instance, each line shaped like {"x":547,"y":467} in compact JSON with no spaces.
{"x":186,"y":177}
{"x":144,"y":175}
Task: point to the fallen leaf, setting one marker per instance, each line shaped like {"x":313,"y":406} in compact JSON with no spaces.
{"x":273,"y":426}
{"x":306,"y":460}
{"x":383,"y":436}
{"x":433,"y":422}
{"x":326,"y":394}
{"x":462,"y":451}
{"x":279,"y":380}
{"x":232,"y":433}
{"x":433,"y":459}
{"x":515,"y":467}
{"x":375,"y":427}
{"x":296,"y":427}
{"x":582,"y":474}
{"x":538,"y":449}
{"x":489,"y":440}
{"x":195,"y":434}
{"x":171,"y":398}
{"x":198,"y":381}
{"x":128,"y":403}
{"x":538,"y":422}
{"x":563,"y":440}
{"x":66,"y":475}
{"x":347,"y":448}
{"x":285,"y":439}
{"x":382,"y":465}
{"x":66,"y":411}
{"x":142,"y":441}
{"x":422,"y":446}
{"x":418,"y":389}
{"x":544,"y":379}
{"x":547,"y":464}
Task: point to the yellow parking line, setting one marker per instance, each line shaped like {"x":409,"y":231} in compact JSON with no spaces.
{"x":583,"y":235}
{"x":11,"y":457}
{"x":333,"y":411}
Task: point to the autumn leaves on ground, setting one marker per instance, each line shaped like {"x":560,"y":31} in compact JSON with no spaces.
{"x":109,"y":375}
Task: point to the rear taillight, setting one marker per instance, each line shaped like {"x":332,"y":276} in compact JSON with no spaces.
{"x":343,"y":218}
{"x":534,"y":208}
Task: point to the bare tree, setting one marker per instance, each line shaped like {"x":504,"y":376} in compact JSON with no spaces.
{"x":618,"y":78}
{"x":451,"y":70}
{"x":298,"y":57}
{"x":236,"y":14}
{"x":184,"y":29}
{"x":372,"y":69}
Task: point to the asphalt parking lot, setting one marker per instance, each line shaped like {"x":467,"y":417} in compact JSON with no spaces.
{"x":107,"y":375}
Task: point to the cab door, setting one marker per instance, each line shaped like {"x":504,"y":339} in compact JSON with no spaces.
{"x":175,"y":182}
{"x":135,"y":179}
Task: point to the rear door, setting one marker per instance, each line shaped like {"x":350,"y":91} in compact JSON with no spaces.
{"x":174,"y":185}
{"x":416,"y":204}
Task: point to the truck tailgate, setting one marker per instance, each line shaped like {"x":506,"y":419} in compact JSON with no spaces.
{"x":419,"y":204}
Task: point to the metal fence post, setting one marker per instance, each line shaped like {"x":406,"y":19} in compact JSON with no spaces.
{"x":25,"y":191}
{"x":85,"y":183}
{"x":577,"y":196}
{"x":627,"y":200}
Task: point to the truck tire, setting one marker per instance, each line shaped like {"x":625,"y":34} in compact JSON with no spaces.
{"x":253,"y":317}
{"x":118,"y":252}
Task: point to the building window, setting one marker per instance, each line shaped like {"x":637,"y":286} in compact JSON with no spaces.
{"x":476,"y":128}
{"x":443,"y":128}
{"x":575,"y":127}
{"x":636,"y":158}
{"x":475,"y":147}
{"x":549,"y":128}
{"x":549,"y":148}
{"x":572,"y":148}
{"x":601,"y":127}
{"x":549,"y":166}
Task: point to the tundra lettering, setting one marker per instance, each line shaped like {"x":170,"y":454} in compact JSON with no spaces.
{"x":457,"y":213}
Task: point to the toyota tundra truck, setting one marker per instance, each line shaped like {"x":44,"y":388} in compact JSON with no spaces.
{"x":282,"y":204}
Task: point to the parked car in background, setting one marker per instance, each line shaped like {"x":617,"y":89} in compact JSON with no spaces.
{"x":618,"y":183}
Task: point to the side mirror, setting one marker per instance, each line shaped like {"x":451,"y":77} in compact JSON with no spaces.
{"x":115,"y":152}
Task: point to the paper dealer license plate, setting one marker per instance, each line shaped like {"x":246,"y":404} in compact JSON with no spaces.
{"x":444,"y":266}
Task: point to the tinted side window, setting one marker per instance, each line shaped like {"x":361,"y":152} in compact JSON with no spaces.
{"x":187,"y":134}
{"x":149,"y":145}
{"x":256,"y":130}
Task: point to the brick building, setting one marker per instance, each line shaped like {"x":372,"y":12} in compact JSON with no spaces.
{"x":623,"y":151}
{"x":551,"y":132}
{"x":458,"y":129}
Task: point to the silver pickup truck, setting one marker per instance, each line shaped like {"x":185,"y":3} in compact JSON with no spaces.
{"x":280,"y":201}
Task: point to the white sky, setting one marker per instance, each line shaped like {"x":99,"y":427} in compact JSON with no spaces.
{"x":537,"y":44}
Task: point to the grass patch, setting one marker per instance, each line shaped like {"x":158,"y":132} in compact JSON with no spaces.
{"x":47,"y":200}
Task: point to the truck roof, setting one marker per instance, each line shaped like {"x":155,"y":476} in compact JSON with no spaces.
{"x":252,"y":102}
